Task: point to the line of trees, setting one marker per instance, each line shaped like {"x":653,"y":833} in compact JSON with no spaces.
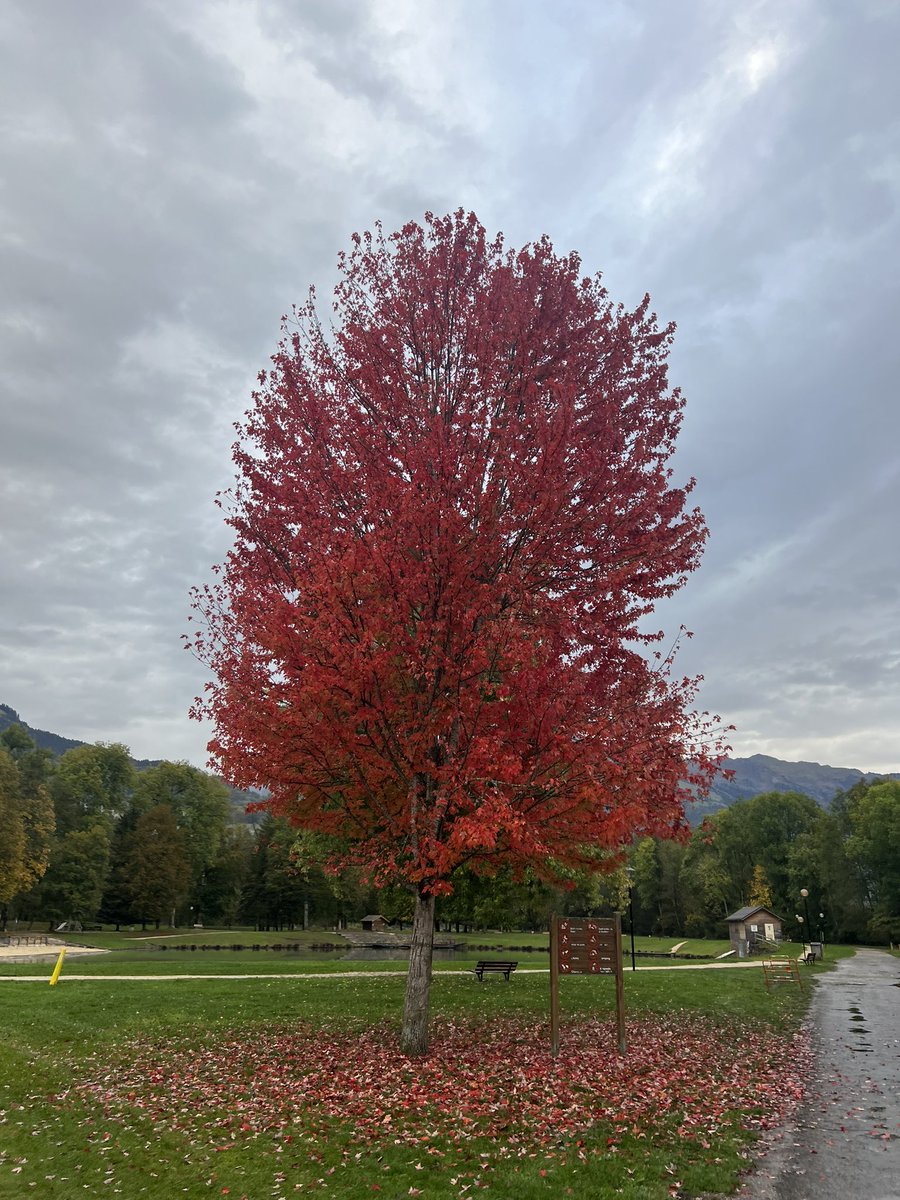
{"x":767,"y":850}
{"x":87,"y":838}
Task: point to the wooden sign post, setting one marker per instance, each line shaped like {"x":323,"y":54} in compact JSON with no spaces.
{"x":586,"y":946}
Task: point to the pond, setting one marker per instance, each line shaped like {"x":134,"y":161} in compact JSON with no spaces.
{"x":373,"y":954}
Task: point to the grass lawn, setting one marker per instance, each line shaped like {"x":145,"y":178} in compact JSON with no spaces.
{"x":281,"y":1087}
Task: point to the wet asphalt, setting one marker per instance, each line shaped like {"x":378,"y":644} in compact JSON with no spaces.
{"x":844,"y":1143}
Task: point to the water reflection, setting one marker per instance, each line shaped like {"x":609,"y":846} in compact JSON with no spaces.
{"x":373,"y":954}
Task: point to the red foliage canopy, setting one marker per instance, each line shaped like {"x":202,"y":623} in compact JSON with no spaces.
{"x":452,"y":511}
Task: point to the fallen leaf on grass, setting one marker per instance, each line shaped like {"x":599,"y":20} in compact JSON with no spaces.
{"x":495,"y":1080}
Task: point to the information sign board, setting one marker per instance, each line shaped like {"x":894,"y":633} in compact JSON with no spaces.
{"x":586,"y":946}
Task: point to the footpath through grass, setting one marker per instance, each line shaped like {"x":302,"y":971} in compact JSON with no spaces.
{"x":281,"y":1087}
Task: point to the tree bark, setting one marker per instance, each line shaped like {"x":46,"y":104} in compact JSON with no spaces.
{"x":414,"y":1031}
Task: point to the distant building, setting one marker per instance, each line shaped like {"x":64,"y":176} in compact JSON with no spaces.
{"x":375,"y":923}
{"x":748,"y":927}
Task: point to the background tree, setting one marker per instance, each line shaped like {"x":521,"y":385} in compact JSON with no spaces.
{"x":708,"y":888}
{"x":26,"y":815}
{"x":201,"y":808}
{"x":394,"y":903}
{"x":156,"y":866}
{"x":277,"y":891}
{"x":221,"y":891}
{"x":90,"y":788}
{"x":760,"y":892}
{"x":72,"y":888}
{"x":92,"y":785}
{"x":671,"y":887}
{"x":451,"y":518}
{"x":779,"y":826}
{"x":844,"y":899}
{"x":874,"y":845}
{"x":646,"y":885}
{"x":12,"y":841}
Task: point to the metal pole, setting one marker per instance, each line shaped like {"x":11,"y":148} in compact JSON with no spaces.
{"x":631,"y":922}
{"x":804,"y":892}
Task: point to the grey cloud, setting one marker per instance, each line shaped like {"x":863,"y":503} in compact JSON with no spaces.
{"x":158,"y":213}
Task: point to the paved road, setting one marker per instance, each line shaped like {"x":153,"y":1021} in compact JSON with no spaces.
{"x":845,"y":1143}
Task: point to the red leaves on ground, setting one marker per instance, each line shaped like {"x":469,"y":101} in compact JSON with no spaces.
{"x":497,"y":1081}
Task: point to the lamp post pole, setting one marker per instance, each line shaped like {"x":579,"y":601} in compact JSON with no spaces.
{"x":630,"y":872}
{"x":804,"y":892}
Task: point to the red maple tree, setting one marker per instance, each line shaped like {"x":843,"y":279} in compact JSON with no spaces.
{"x":453,"y":509}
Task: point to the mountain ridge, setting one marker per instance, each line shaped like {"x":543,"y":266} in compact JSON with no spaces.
{"x":55,"y":742}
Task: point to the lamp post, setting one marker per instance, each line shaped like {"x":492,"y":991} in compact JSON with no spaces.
{"x":804,"y":892}
{"x":822,"y":932}
{"x":630,"y":873}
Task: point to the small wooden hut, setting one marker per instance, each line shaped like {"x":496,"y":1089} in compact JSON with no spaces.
{"x":751,"y":926}
{"x":374,"y":923}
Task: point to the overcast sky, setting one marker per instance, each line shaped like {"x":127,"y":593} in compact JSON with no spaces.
{"x":173,"y":176}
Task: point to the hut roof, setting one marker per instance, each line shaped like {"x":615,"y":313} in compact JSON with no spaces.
{"x":743,"y":913}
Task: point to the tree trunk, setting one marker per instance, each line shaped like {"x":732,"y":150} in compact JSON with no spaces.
{"x":414,"y":1032}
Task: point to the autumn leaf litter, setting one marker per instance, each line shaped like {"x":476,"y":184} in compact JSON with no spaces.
{"x":493,"y":1081}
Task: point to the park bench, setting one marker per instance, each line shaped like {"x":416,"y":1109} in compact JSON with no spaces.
{"x":811,"y":953}
{"x":494,"y":967}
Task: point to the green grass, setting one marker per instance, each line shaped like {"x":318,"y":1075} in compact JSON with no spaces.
{"x":60,"y":1148}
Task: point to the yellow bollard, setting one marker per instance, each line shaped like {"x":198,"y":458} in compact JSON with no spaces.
{"x":58,"y":967}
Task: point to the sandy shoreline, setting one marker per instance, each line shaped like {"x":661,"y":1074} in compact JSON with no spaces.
{"x":43,"y":953}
